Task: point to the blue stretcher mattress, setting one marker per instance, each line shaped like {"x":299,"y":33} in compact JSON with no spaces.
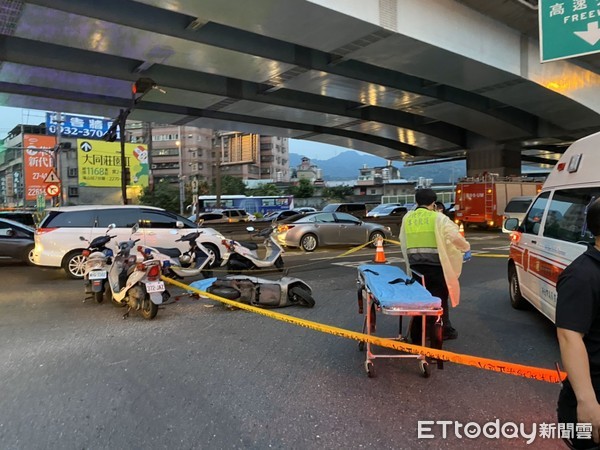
{"x":204,"y":284}
{"x":396,"y":296}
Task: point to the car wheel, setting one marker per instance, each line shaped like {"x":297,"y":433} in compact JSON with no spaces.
{"x":309,"y":242}
{"x":28,"y":255}
{"x":517,"y":301}
{"x":74,"y":265}
{"x":211,"y":248}
{"x":375,"y":236}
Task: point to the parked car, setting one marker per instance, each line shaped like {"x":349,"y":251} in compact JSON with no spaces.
{"x":305,"y":209}
{"x":275,"y":216}
{"x":235,"y":215}
{"x":209,"y":217}
{"x":16,"y":240}
{"x":57,"y":242}
{"x":326,"y":228}
{"x":516,"y":208}
{"x":387,"y":209}
{"x":356,"y":209}
{"x":25,"y":217}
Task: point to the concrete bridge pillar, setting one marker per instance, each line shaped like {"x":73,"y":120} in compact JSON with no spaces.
{"x":484,"y":155}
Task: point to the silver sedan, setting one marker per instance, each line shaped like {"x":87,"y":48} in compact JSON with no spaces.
{"x":322,"y":228}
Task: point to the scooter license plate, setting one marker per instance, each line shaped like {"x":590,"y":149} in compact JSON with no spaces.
{"x":155,"y":286}
{"x":97,"y":275}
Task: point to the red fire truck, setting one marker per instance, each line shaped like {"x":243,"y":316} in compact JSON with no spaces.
{"x":481,"y":200}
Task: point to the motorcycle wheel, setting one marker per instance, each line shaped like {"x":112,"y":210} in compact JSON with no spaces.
{"x":279,"y":263}
{"x":148,"y":309}
{"x":99,"y":297}
{"x":301,"y":296}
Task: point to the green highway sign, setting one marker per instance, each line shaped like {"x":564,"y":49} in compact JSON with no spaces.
{"x":568,"y":28}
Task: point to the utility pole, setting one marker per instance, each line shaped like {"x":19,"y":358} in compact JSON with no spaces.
{"x":141,"y":86}
{"x":57,"y":165}
{"x":181,"y":183}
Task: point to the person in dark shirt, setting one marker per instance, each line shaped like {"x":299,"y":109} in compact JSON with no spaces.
{"x":578,"y":331}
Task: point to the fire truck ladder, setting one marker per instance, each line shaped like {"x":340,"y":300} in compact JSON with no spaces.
{"x":489,"y":197}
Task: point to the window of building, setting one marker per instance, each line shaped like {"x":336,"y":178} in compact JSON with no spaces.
{"x":72,"y":172}
{"x":73,"y":191}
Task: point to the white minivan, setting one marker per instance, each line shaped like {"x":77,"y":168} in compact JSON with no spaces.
{"x":553,"y":232}
{"x":57,"y":242}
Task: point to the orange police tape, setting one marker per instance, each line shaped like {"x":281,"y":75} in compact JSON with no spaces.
{"x":536,"y":373}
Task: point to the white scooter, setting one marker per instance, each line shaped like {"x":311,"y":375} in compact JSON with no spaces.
{"x":98,"y":261}
{"x":193,"y":262}
{"x":134,"y":284}
{"x":244,"y":255}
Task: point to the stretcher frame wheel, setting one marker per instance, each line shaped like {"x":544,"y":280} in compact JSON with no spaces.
{"x":370,"y":368}
{"x":425,"y":369}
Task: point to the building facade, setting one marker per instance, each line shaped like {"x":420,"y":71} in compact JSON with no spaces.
{"x":178,"y":154}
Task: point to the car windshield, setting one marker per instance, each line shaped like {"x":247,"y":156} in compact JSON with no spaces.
{"x":517,"y":206}
{"x":384,"y":207}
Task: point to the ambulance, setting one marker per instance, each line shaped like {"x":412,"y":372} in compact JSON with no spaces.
{"x":553,"y":232}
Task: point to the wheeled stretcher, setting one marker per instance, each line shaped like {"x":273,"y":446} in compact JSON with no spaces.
{"x":387,"y":289}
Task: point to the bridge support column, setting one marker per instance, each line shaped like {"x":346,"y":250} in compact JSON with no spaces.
{"x":484,"y":155}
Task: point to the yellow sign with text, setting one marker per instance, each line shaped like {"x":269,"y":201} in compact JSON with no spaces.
{"x":99,"y":163}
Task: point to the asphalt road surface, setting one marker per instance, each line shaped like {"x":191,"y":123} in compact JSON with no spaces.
{"x":76,"y":375}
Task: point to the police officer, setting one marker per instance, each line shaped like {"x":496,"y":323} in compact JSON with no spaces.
{"x":432,"y":246}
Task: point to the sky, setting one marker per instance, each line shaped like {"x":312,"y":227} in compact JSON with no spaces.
{"x":10,"y":117}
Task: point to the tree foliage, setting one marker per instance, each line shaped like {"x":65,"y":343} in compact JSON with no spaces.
{"x":230,"y":186}
{"x":304,"y":189}
{"x":338,"y":192}
{"x":265,"y":189}
{"x":162,"y":195}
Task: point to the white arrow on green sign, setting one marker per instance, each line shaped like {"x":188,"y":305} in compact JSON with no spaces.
{"x":568,"y":28}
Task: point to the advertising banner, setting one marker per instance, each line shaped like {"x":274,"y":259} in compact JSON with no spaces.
{"x":99,"y":163}
{"x":38,"y":161}
{"x":78,"y":126}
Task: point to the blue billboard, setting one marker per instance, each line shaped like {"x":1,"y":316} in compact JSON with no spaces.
{"x":78,"y":126}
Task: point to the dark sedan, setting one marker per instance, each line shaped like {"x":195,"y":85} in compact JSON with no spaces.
{"x":326,"y":228}
{"x":16,"y":240}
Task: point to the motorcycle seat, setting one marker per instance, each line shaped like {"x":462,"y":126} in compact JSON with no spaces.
{"x":249,"y":245}
{"x":171,"y":252}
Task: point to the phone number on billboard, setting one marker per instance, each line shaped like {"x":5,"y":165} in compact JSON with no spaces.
{"x":72,"y":131}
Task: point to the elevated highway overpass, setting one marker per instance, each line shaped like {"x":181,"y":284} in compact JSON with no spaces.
{"x":413,"y":80}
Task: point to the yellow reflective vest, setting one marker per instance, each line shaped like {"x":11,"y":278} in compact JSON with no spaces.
{"x":449,"y":242}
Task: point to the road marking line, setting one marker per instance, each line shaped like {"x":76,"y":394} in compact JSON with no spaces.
{"x":536,"y":373}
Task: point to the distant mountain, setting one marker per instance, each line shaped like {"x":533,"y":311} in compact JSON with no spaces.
{"x":345,"y":166}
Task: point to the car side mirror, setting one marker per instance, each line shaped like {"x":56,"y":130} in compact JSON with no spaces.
{"x":10,"y":232}
{"x":511,"y":224}
{"x":179,"y":224}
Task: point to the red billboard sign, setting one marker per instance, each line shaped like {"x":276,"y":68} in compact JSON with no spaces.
{"x":38,"y":160}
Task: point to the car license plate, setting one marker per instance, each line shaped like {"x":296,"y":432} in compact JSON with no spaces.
{"x":97,"y":275}
{"x":155,"y":286}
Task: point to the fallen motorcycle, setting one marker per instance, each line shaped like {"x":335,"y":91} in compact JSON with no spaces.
{"x":287,"y":291}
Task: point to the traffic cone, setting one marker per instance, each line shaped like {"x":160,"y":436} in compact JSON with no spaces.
{"x":379,"y":253}
{"x":461,"y":229}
